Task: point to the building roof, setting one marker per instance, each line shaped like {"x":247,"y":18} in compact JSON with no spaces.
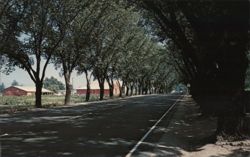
{"x":95,"y":85}
{"x":32,"y":89}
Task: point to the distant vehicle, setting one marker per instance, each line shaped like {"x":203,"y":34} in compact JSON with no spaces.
{"x":173,"y":91}
{"x":177,"y":92}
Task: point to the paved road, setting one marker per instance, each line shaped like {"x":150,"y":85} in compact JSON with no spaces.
{"x":100,"y":129}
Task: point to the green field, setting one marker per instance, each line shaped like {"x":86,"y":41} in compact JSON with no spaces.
{"x":10,"y":104}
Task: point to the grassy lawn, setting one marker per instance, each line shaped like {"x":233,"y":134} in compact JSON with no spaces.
{"x":12,"y":104}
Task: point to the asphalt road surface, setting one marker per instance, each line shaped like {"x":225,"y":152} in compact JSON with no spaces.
{"x":99,"y":129}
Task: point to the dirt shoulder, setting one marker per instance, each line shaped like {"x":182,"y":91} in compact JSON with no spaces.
{"x":188,"y":134}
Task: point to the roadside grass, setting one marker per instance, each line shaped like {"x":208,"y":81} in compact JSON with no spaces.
{"x":12,"y":104}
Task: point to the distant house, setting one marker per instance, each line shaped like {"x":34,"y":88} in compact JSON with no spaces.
{"x":95,"y":89}
{"x":23,"y":91}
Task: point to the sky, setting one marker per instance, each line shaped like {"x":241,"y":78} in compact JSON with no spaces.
{"x":23,"y":78}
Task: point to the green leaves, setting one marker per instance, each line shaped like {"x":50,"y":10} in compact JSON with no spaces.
{"x":53,"y":84}
{"x":2,"y":87}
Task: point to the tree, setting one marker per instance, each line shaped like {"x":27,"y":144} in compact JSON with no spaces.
{"x":85,"y":66}
{"x":73,"y":49}
{"x":11,"y":13}
{"x":41,"y":31}
{"x":2,"y":87}
{"x":53,"y":84}
{"x":14,"y":83}
{"x":128,"y":30}
{"x":247,"y":80}
{"x":105,"y":38}
{"x":211,"y":38}
{"x":138,"y":63}
{"x":114,"y":31}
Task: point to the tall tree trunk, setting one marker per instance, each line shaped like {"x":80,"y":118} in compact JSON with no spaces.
{"x":131,"y":89}
{"x":110,"y":80}
{"x":101,"y":86}
{"x":146,"y":90}
{"x":140,"y":89}
{"x":68,"y":89}
{"x":121,"y":87}
{"x":88,"y":91}
{"x":111,"y":87}
{"x":150,"y":87}
{"x":151,"y":90}
{"x":219,"y":84}
{"x":127,"y":90}
{"x":146,"y":87}
{"x":111,"y":91}
{"x":101,"y":91}
{"x":231,"y":120}
{"x":222,"y":95}
{"x":136,"y":89}
{"x":38,"y":94}
{"x":88,"y":85}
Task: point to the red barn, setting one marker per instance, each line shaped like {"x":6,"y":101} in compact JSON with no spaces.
{"x":95,"y":89}
{"x":23,"y":91}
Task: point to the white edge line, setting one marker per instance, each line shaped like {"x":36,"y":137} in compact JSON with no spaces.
{"x":151,"y":129}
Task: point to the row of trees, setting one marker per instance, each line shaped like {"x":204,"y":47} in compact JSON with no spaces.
{"x":210,"y":42}
{"x":103,"y":39}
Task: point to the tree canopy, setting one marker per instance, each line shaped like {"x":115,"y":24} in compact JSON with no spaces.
{"x":105,"y":39}
{"x":14,"y":83}
{"x":31,"y":31}
{"x":53,"y":84}
{"x":209,"y":39}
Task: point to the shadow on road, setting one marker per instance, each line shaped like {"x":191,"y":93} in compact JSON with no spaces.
{"x":101,"y":129}
{"x":182,"y":130}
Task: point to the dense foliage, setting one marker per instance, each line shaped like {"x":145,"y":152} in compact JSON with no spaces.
{"x":202,"y":42}
{"x":209,"y":41}
{"x":53,"y":84}
{"x":108,"y":40}
{"x":14,"y":83}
